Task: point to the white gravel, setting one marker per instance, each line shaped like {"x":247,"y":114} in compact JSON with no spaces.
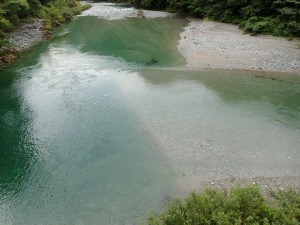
{"x":27,"y":34}
{"x":207,"y":44}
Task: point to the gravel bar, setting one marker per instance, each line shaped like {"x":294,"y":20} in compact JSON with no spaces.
{"x":27,"y":34}
{"x":208,"y":44}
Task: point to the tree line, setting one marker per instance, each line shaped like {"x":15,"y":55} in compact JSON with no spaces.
{"x":276,"y":17}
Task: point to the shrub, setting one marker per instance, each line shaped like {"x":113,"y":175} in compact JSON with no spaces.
{"x":240,"y":206}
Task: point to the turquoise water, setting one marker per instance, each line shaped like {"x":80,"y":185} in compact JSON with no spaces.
{"x":92,"y":133}
{"x":70,"y":146}
{"x":132,"y":39}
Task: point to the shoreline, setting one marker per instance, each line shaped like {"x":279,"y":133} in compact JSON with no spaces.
{"x":26,"y":35}
{"x":266,"y":184}
{"x":208,"y":44}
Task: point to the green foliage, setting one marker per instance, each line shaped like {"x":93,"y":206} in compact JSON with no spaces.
{"x":58,"y":12}
{"x":242,"y":206}
{"x":52,"y":12}
{"x":5,"y":24}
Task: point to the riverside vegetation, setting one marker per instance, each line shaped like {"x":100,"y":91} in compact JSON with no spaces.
{"x":240,"y":206}
{"x":52,"y":13}
{"x":275,"y":17}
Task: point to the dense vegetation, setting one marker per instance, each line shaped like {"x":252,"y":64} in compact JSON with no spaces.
{"x":53,"y":12}
{"x":241,"y":206}
{"x":276,"y":17}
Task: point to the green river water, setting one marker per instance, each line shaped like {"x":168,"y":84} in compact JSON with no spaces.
{"x":97,"y":128}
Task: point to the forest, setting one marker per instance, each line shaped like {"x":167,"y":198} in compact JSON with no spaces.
{"x":275,"y":17}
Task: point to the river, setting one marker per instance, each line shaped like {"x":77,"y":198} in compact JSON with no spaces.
{"x":101,"y":125}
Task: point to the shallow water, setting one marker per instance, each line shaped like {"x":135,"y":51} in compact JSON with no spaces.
{"x":92,"y":133}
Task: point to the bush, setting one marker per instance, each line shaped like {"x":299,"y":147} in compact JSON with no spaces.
{"x":240,"y":206}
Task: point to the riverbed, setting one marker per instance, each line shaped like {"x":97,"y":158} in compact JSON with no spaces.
{"x":103,"y":124}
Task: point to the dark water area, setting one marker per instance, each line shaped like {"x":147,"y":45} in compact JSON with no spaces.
{"x":94,"y":131}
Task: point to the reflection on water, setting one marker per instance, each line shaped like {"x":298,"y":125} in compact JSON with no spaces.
{"x":90,"y":135}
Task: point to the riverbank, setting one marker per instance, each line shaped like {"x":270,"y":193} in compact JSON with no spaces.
{"x":21,"y":28}
{"x":208,"y":44}
{"x":27,"y":34}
